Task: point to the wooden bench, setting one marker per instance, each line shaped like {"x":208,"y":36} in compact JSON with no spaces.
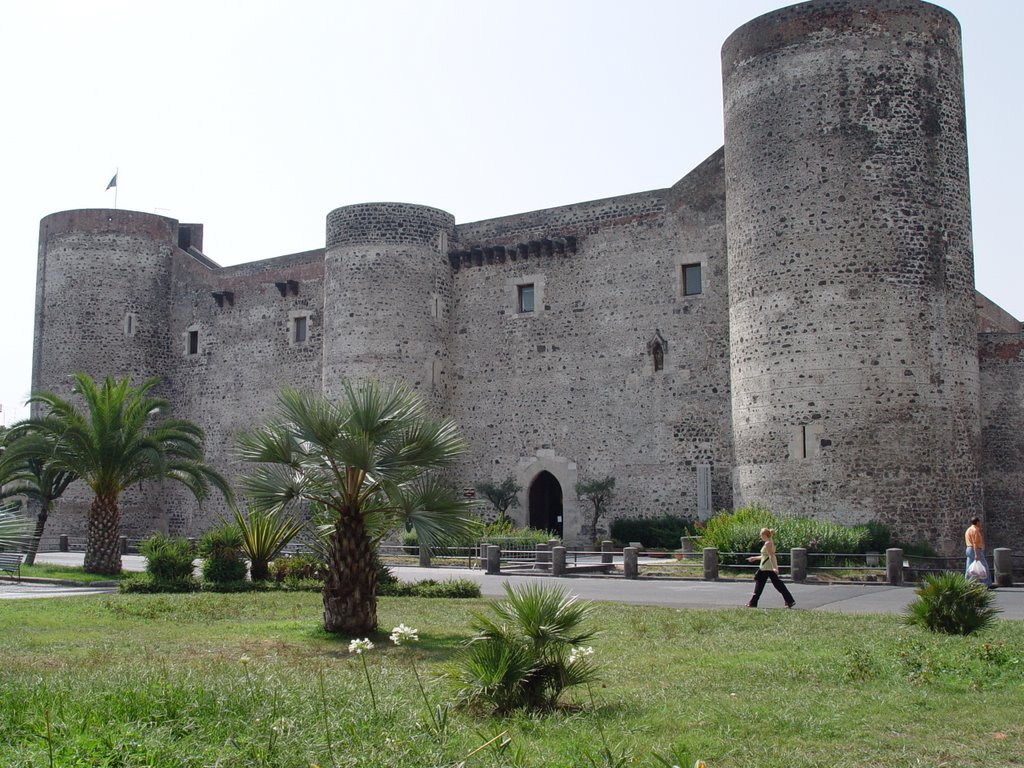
{"x":11,"y":563}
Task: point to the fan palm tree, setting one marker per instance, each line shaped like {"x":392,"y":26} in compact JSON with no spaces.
{"x":27,"y":471}
{"x":112,"y":446}
{"x":369,"y":462}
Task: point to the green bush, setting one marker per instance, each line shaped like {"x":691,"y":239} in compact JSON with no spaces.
{"x":221,"y":550}
{"x":241,"y":585}
{"x":740,"y":532}
{"x":527,"y":653}
{"x":305,"y":567}
{"x":953,"y":604}
{"x":454,"y":588}
{"x":167,"y":559}
{"x":653,"y":532}
{"x":145,"y":583}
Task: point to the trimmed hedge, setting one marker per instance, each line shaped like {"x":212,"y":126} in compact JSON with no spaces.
{"x":653,"y":532}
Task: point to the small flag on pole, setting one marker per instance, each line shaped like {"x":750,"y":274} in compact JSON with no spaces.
{"x":113,"y":182}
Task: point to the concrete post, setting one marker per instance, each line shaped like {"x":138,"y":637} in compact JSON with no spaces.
{"x":629,"y":564}
{"x":1003,"y":565}
{"x":493,"y":559}
{"x":710,"y":564}
{"x":552,"y":543}
{"x":798,"y":565}
{"x":894,"y":566}
{"x":558,"y":561}
{"x":424,"y":556}
{"x":123,"y":540}
{"x":606,"y":552}
{"x":543,"y":555}
{"x":63,"y":542}
{"x":483,"y":554}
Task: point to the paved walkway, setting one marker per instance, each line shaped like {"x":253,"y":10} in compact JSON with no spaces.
{"x":843,"y":598}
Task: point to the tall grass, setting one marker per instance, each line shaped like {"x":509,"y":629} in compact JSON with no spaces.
{"x":159,"y":681}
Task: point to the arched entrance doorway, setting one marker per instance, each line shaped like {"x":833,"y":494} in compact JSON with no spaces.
{"x":546,"y":503}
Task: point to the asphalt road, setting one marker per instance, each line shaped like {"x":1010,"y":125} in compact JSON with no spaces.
{"x":842,"y":598}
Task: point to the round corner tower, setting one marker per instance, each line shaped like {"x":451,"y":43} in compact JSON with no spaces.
{"x":851,"y":280}
{"x":103,"y":292}
{"x":386,"y":291}
{"x":103,"y":295}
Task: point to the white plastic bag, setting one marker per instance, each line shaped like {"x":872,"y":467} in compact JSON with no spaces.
{"x":977,"y":570}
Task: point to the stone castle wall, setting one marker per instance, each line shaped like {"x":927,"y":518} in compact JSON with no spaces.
{"x":827,"y":366}
{"x":1002,"y":431}
{"x":853,"y":327}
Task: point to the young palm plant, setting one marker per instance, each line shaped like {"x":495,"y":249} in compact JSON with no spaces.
{"x":953,"y":604}
{"x":523,"y":656}
{"x":26,"y":471}
{"x":14,"y":528}
{"x":264,"y":535}
{"x":370,"y":462}
{"x":112,"y":446}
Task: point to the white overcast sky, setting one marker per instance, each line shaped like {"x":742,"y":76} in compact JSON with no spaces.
{"x":258,"y":118}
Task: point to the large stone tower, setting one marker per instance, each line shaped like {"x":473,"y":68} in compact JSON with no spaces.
{"x":852,"y":326}
{"x":387,"y":284}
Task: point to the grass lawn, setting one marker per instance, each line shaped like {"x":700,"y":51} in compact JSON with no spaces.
{"x":65,"y":572}
{"x":250,"y":680}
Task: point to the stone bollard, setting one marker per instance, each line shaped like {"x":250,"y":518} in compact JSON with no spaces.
{"x":424,"y":556}
{"x":552,"y":543}
{"x":710,"y":564}
{"x":493,"y":559}
{"x":629,"y":563}
{"x":558,"y":561}
{"x":543,"y":556}
{"x":482,"y":549}
{"x":1003,"y":565}
{"x":798,"y":565}
{"x":894,"y":566}
{"x":62,"y":544}
{"x":606,"y":552}
{"x":123,"y":540}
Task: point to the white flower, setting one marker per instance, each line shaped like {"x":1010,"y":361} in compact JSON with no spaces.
{"x":699,"y":764}
{"x":243,"y":660}
{"x":358,"y":646}
{"x":580,"y":652}
{"x":403,"y":634}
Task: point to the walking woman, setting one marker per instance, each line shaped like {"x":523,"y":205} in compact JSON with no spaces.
{"x":769,"y":569}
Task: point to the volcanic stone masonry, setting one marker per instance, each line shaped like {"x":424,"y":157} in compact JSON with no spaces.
{"x":793,"y":323}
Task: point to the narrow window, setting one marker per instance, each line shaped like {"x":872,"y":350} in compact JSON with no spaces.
{"x":193,"y":342}
{"x":300,"y":330}
{"x":658,"y":353}
{"x":803,"y":442}
{"x":691,"y":280}
{"x":131,"y":326}
{"x":526,"y":298}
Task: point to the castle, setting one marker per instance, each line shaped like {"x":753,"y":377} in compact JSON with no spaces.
{"x":793,"y":323}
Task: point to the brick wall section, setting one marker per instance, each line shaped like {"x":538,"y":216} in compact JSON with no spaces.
{"x":1001,"y":356}
{"x":851,"y":271}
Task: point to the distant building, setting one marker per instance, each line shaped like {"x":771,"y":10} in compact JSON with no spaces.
{"x":793,"y":323}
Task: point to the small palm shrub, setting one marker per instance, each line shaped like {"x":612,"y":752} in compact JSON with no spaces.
{"x":264,"y":535}
{"x":953,"y":604}
{"x":522,"y":657}
{"x":221,"y":550}
{"x":168,"y":559}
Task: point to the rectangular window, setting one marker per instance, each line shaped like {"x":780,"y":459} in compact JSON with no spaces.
{"x":193,"y":342}
{"x":300,"y":330}
{"x":691,"y":280}
{"x":526,"y":298}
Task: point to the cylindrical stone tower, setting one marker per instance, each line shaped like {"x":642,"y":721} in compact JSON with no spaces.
{"x":387,"y":288}
{"x":851,"y":281}
{"x":102,"y":302}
